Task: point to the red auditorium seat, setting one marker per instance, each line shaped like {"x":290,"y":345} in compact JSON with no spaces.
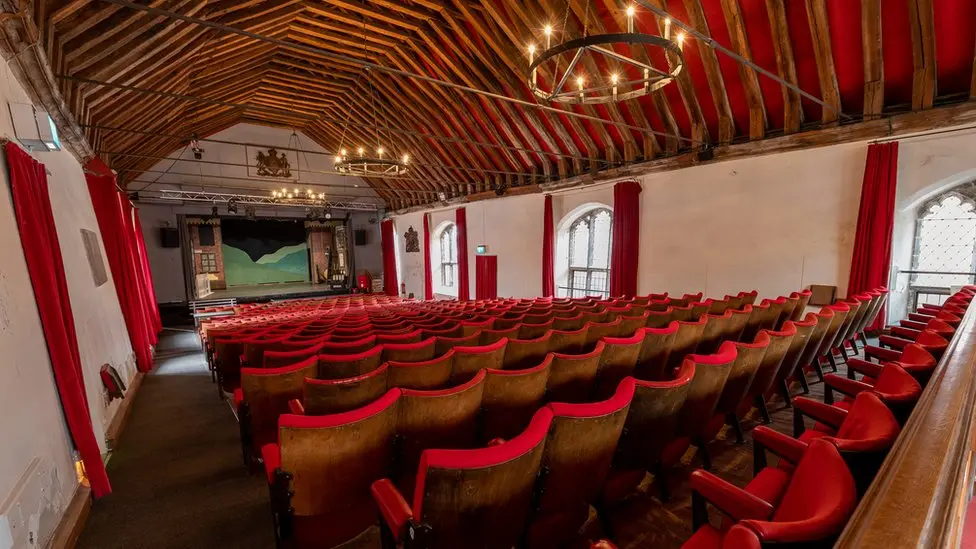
{"x":809,"y":505}
{"x":940,"y":327}
{"x":277,"y":359}
{"x":717,"y":306}
{"x":929,"y":340}
{"x":716,"y":328}
{"x":740,"y":318}
{"x":772,"y":360}
{"x":810,"y":357}
{"x":445,"y":344}
{"x":470,"y":327}
{"x":758,"y":316}
{"x":349,"y":347}
{"x":445,"y":418}
{"x":263,"y":396}
{"x":841,"y":311}
{"x":655,"y":351}
{"x":800,"y":310}
{"x":521,"y":353}
{"x":771,"y":317}
{"x":896,"y":387}
{"x":710,"y":374}
{"x":619,"y":358}
{"x":792,"y":367}
{"x":489,"y":337}
{"x":410,"y":352}
{"x":534,"y":330}
{"x":631,"y":324}
{"x":685,"y":341}
{"x":698,"y":309}
{"x":468,"y":498}
{"x":578,"y":452}
{"x":428,"y":374}
{"x":322,"y":498}
{"x":568,"y":323}
{"x":736,"y":387}
{"x":572,"y":376}
{"x":659,"y":319}
{"x":350,"y":365}
{"x":914,"y":358}
{"x":863,"y":435}
{"x":595,"y":331}
{"x":561,"y":341}
{"x":333,"y":396}
{"x":511,"y":397}
{"x":412,"y":336}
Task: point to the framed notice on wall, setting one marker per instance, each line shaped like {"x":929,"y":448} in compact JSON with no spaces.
{"x":94,"y":253}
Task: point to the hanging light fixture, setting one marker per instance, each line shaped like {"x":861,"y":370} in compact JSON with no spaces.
{"x":296,"y":196}
{"x":365,"y":163}
{"x":630,"y":80}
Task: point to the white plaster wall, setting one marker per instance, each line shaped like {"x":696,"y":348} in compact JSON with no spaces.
{"x":775,"y":223}
{"x":37,"y":478}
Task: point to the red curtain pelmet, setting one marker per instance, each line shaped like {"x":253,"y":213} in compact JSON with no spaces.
{"x":871,"y":262}
{"x":388,"y":240}
{"x":486,"y":277}
{"x":548,"y":251}
{"x":464,"y":292}
{"x":42,"y":251}
{"x":428,"y":275}
{"x":626,"y":239}
{"x":115,"y":223}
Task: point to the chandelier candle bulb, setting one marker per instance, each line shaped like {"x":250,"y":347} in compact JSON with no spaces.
{"x":613,"y":79}
{"x":630,"y":19}
{"x":548,"y":31}
{"x":667,"y":28}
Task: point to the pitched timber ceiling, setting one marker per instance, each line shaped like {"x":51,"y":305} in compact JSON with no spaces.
{"x":141,"y":82}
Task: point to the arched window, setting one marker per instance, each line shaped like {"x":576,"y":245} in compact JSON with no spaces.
{"x":584,"y":246}
{"x":945,"y":243}
{"x":445,"y":259}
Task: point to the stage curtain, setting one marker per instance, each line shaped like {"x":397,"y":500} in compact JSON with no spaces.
{"x":548,"y":251}
{"x":132,"y":244}
{"x":464,"y":292}
{"x":486,"y":277}
{"x":871,"y":262}
{"x":157,"y":323}
{"x":626,"y":239}
{"x":42,"y":250}
{"x":428,"y":275}
{"x":388,"y":239}
{"x":121,"y":255}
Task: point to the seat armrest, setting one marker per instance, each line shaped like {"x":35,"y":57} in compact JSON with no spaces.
{"x":728,"y":498}
{"x":864,"y":367}
{"x":271,"y":455}
{"x":846,"y":386}
{"x":782,"y":445}
{"x":393,"y":508}
{"x":238,"y":398}
{"x":882,"y":354}
{"x":919,"y":317}
{"x":295,"y":407}
{"x":818,"y":411}
{"x":905,"y":333}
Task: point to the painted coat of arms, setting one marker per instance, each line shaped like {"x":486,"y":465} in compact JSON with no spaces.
{"x":412,"y":240}
{"x":273,"y":165}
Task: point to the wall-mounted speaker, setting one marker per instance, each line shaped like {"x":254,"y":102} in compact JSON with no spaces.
{"x":360,"y":237}
{"x":169,"y":237}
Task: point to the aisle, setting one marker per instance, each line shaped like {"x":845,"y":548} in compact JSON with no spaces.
{"x":177,"y":476}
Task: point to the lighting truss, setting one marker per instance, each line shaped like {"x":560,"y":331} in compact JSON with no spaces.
{"x":212,"y":198}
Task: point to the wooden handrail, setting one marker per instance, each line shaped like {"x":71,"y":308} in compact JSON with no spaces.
{"x":919,"y":496}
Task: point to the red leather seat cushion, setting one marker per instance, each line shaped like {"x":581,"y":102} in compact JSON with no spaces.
{"x":706,"y":537}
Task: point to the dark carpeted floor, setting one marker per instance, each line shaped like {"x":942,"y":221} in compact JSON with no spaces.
{"x":177,"y":475}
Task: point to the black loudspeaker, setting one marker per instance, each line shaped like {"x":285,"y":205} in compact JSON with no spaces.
{"x":206,"y":235}
{"x":359,"y":236}
{"x":169,"y":237}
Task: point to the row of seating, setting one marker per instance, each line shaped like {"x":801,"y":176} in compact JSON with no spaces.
{"x":808,"y":496}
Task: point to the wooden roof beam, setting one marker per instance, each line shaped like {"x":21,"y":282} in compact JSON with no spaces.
{"x":823,"y":52}
{"x":785,"y":64}
{"x":750,"y":80}
{"x":922,"y":18}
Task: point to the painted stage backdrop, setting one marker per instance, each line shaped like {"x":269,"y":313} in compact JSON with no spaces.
{"x":264,"y":251}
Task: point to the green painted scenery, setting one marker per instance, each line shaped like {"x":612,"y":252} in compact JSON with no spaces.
{"x":287,"y":264}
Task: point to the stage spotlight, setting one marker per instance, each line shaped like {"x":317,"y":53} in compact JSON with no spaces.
{"x":328,"y":214}
{"x":197,"y":149}
{"x":232,"y":206}
{"x":442,"y":196}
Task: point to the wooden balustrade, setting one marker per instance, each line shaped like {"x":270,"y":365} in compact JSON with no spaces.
{"x":920,"y":495}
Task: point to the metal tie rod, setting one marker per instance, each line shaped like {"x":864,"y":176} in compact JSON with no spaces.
{"x":709,"y":41}
{"x":383,"y":68}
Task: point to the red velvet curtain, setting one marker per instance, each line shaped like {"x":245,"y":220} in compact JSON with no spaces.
{"x":388,"y":239}
{"x":486,"y":277}
{"x":42,"y":250}
{"x":626,"y":239}
{"x":464,"y":292}
{"x":428,"y":275}
{"x":548,"y":251}
{"x":111,"y":207}
{"x":157,"y":323}
{"x":871,"y":262}
{"x":132,"y":244}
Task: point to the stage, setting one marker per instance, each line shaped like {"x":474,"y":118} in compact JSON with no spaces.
{"x":260,"y":293}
